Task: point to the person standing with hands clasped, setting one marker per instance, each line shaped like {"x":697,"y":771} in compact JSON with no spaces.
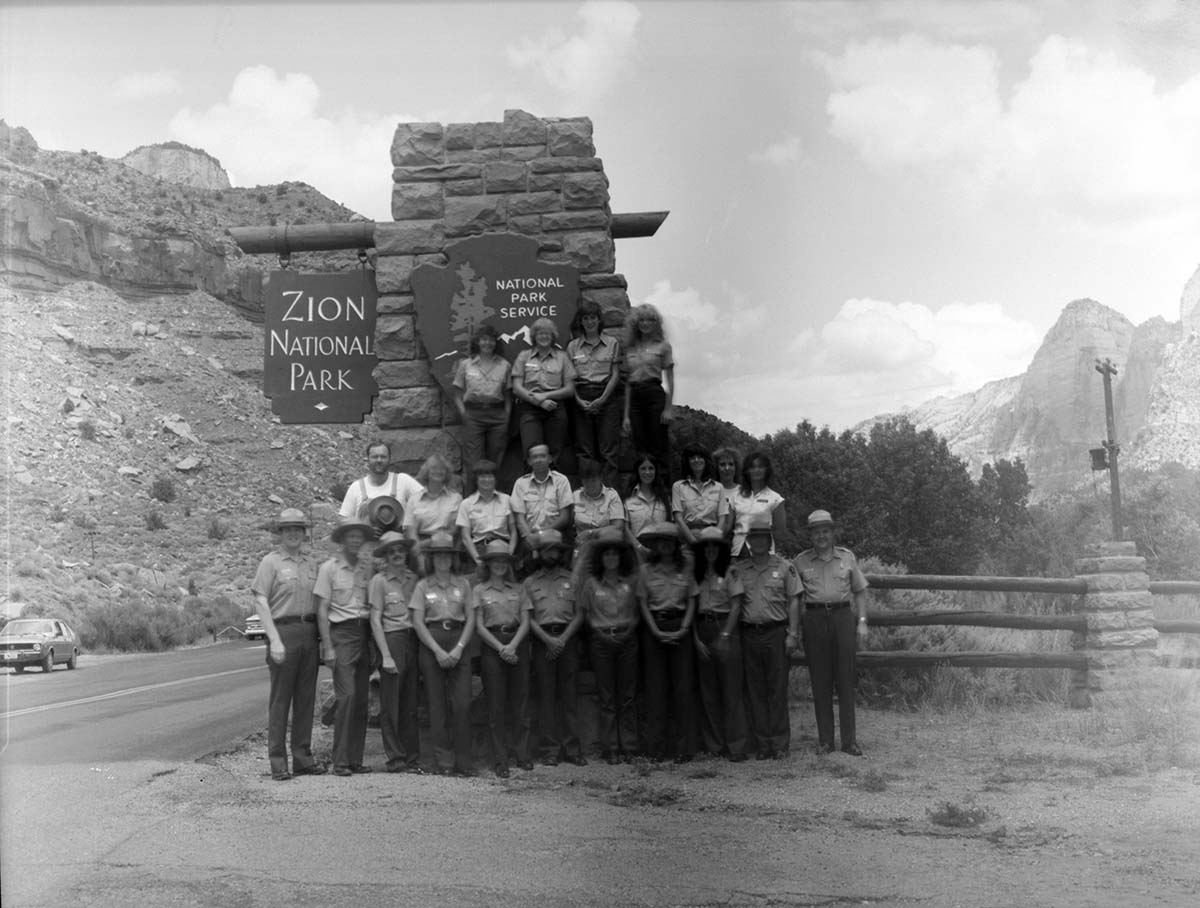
{"x":444,"y":622}
{"x":502,"y":617}
{"x":282,"y":591}
{"x":834,"y":624}
{"x":391,"y":627}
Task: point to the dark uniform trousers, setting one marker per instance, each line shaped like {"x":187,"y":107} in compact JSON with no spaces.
{"x":669,"y":675}
{"x":764,"y":655}
{"x":449,"y":695}
{"x":830,"y":646}
{"x":598,"y":435}
{"x":614,"y":660}
{"x":507,"y":690}
{"x":351,"y":675}
{"x":721,"y":686}
{"x":294,"y":691}
{"x":485,"y":434}
{"x":647,"y":400}
{"x":558,"y":715}
{"x":398,"y":701}
{"x":543,"y":427}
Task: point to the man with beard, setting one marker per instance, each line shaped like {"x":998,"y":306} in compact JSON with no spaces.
{"x":380,"y":480}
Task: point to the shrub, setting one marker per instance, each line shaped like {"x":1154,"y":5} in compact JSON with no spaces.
{"x":163,"y":489}
{"x":218,"y":528}
{"x":155,"y":521}
{"x":338,"y":490}
{"x":281,"y":189}
{"x":263,"y":198}
{"x":954,"y":816}
{"x":87,"y":429}
{"x":57,"y":513}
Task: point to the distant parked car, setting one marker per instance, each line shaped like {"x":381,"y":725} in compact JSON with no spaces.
{"x":253,"y":629}
{"x":38,"y":641}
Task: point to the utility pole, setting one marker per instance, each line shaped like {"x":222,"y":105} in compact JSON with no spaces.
{"x":1107,"y":370}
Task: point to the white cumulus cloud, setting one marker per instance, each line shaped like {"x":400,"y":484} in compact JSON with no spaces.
{"x":271,"y":129}
{"x":785,"y":151}
{"x":586,"y":65}
{"x":140,"y":86}
{"x":1084,"y":132}
{"x":682,"y":308}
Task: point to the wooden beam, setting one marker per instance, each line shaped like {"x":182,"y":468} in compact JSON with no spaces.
{"x":976,"y":584}
{"x":895,"y":618}
{"x":1176,"y":626}
{"x":636,"y":224}
{"x":973,"y":660}
{"x":289,"y":238}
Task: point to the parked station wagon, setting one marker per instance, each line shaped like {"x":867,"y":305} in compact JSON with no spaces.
{"x":38,"y":641}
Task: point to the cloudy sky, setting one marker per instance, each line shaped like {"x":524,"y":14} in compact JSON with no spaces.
{"x":872,"y":204}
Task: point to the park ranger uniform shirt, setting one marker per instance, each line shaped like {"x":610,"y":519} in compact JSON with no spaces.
{"x":834,"y":578}
{"x":287,"y":583}
{"x":551,"y":596}
{"x":717,"y":593}
{"x":344,"y":586}
{"x":391,"y":593}
{"x":608,"y":605}
{"x":700,"y":504}
{"x":541,"y":500}
{"x":499,"y":604}
{"x":768,"y":589}
{"x":666,"y":589}
{"x":482,"y":384}
{"x":594,"y":361}
{"x":548,"y":371}
{"x":479,"y":518}
{"x":442,"y":601}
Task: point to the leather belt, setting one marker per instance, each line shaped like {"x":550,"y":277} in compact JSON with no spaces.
{"x":614,"y":631}
{"x":296,"y":619}
{"x":761,"y":627}
{"x":555,"y":628}
{"x":828,"y":606}
{"x":503,"y":628}
{"x":446,"y":625}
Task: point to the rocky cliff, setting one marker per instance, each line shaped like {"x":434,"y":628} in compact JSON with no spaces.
{"x":71,"y":216}
{"x":1050,"y":416}
{"x":178,"y":163}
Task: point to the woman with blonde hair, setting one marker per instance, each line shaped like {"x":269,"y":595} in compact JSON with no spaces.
{"x":543,"y":381}
{"x":434,"y":510}
{"x":648,"y":368}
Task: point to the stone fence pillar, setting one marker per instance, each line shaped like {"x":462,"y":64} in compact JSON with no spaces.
{"x":1118,"y":609}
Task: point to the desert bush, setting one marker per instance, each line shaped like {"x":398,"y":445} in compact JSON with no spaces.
{"x":218,"y":529}
{"x":263,"y":198}
{"x":280,"y":190}
{"x":155,"y":521}
{"x":87,"y":429}
{"x":956,"y":816}
{"x":57,"y":513}
{"x":338,"y":490}
{"x":163,"y":489}
{"x":84,"y":522}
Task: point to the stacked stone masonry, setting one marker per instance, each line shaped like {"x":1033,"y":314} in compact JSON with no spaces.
{"x":1118,"y":611}
{"x":539,"y":177}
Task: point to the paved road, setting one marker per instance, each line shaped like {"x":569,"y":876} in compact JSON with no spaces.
{"x":165,"y":706}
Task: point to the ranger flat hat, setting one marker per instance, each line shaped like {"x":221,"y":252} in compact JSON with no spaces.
{"x":820,"y":519}
{"x":440,"y":542}
{"x":346,"y":524}
{"x":384,"y":512}
{"x":710,"y":536}
{"x":760,"y":525}
{"x":392,"y":540}
{"x":610,"y":537}
{"x":655,"y":531}
{"x":548,"y":539}
{"x":292,"y":517}
{"x":497,"y":548}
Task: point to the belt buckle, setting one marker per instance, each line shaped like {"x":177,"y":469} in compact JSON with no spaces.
{"x":447,"y":624}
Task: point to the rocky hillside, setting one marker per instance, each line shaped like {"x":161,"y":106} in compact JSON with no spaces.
{"x":178,"y":163}
{"x":115,"y":404}
{"x":71,"y":216}
{"x":1053,"y":414}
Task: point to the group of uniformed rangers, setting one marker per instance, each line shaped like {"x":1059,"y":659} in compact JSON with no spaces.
{"x":677,"y":599}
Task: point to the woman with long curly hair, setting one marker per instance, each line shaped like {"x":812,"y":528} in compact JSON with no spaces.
{"x":756,"y":502}
{"x":649,"y":372}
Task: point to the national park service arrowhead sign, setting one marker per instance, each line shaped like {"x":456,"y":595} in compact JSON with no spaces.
{"x":319,"y":356}
{"x":494,"y":279}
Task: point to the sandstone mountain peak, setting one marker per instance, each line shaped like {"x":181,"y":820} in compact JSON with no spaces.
{"x":178,"y":163}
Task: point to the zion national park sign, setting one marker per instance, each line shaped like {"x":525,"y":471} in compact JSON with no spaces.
{"x":494,"y":279}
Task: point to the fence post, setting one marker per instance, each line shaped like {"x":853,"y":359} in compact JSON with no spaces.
{"x":1118,"y":610}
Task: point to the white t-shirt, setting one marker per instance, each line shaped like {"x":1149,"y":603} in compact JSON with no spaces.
{"x":400,"y":486}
